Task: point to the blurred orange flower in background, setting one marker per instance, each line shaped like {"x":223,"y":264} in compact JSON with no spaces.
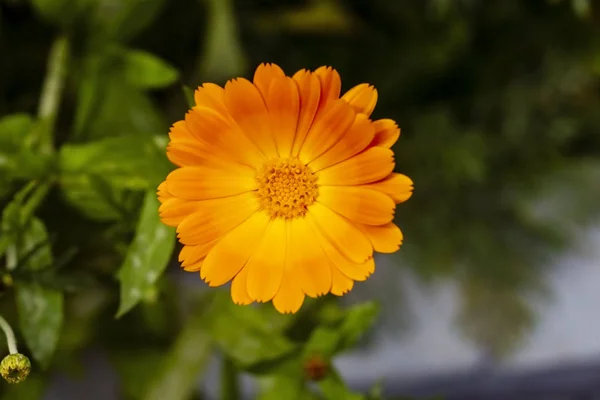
{"x":284,"y":187}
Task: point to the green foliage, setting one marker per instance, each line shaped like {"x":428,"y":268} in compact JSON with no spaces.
{"x":499,"y":116}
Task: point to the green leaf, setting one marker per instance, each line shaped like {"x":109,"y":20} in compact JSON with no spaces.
{"x":283,"y":387}
{"x":40,"y":319}
{"x":13,"y":131}
{"x":147,"y":256}
{"x":323,"y":341}
{"x":334,"y":388}
{"x":357,"y":321}
{"x":245,"y":335}
{"x":177,"y":377}
{"x":32,"y":389}
{"x":188,"y":92}
{"x":136,"y":368}
{"x":61,"y":12}
{"x":146,"y":71}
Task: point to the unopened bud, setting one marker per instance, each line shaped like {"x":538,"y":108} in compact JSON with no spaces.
{"x":14,"y":368}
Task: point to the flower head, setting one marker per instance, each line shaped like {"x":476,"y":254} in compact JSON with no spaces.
{"x":14,"y":368}
{"x":284,"y":187}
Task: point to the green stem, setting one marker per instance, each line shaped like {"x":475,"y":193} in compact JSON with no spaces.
{"x":10,"y":336}
{"x":230,"y":388}
{"x":52,"y":91}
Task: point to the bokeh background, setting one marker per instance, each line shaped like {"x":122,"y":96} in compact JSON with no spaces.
{"x":494,"y":294}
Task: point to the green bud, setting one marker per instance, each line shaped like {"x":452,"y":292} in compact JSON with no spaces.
{"x":15,"y":368}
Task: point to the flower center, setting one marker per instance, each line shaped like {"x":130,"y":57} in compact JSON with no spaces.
{"x":286,"y":188}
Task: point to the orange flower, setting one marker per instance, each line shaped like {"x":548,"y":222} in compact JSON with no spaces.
{"x":284,"y":188}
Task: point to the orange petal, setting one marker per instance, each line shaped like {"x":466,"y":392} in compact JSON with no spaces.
{"x":327,"y":129}
{"x":215,"y":218}
{"x":197,"y":266}
{"x":385,"y":238}
{"x":341,"y":233}
{"x":350,"y":269}
{"x":179,"y":131}
{"x":398,"y":186}
{"x":264,"y":75}
{"x":265,"y":267}
{"x":340,"y":283}
{"x":386,"y":133}
{"x":175,"y":210}
{"x":362,"y":98}
{"x":239,"y":294}
{"x":211,"y":96}
{"x":356,"y":139}
{"x":358,"y":204}
{"x":290,"y":297}
{"x":248,"y":109}
{"x":331,"y":83}
{"x":371,"y":165}
{"x":232,"y":252}
{"x":163,"y":193}
{"x":309,"y":88}
{"x":307,"y":258}
{"x":283,"y":103}
{"x":192,"y":254}
{"x":222,"y":136}
{"x":202,"y":183}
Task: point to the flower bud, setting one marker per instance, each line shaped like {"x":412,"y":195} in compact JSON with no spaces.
{"x":14,"y":368}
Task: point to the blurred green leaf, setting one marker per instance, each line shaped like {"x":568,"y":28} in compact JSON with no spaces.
{"x":188,"y":92}
{"x":357,"y":321}
{"x":32,"y":389}
{"x":230,"y":385}
{"x":61,"y":12}
{"x":244,"y":334}
{"x":136,"y":369}
{"x":376,"y":391}
{"x":147,"y":256}
{"x":324,"y":342}
{"x":146,"y":71}
{"x":40,"y":319}
{"x":13,"y":131}
{"x":334,"y":388}
{"x":284,"y":387}
{"x":179,"y":372}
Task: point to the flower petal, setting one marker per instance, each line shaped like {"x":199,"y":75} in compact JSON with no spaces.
{"x":232,"y":252}
{"x":215,"y":218}
{"x":162,"y":192}
{"x":340,"y":283}
{"x":175,"y":210}
{"x":192,"y":254}
{"x":385,"y":238}
{"x":264,"y":75}
{"x":265,"y":267}
{"x":356,"y":139}
{"x":362,"y":98}
{"x":211,"y":96}
{"x":307,"y":258}
{"x":248,"y":109}
{"x":398,"y":186}
{"x":341,"y":233}
{"x":358,"y":204}
{"x":202,"y":183}
{"x":331,"y":83}
{"x":283,"y":103}
{"x":179,"y":131}
{"x":309,"y":88}
{"x":371,"y":165}
{"x":327,"y":129}
{"x":239,"y":294}
{"x":290,"y":297}
{"x":386,"y":133}
{"x":197,"y":266}
{"x":222,"y":136}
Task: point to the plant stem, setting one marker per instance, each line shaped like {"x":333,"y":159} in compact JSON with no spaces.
{"x":229,"y":380}
{"x":10,"y":336}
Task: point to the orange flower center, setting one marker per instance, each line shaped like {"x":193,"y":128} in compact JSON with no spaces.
{"x":286,"y":188}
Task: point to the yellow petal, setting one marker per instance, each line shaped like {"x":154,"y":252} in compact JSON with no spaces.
{"x":350,"y":241}
{"x":215,"y":218}
{"x":265,"y":267}
{"x":386,"y":133}
{"x":239,"y":294}
{"x":356,"y":139}
{"x":306,"y":257}
{"x":197,"y":266}
{"x":192,"y":254}
{"x":211,"y":96}
{"x":340,"y":283}
{"x":385,"y":238}
{"x":290,"y":297}
{"x":398,"y":186}
{"x":173,"y":211}
{"x":248,"y":109}
{"x":283,"y":103}
{"x":162,"y":192}
{"x":358,"y":204}
{"x":309,"y":88}
{"x":371,"y":165}
{"x":232,"y":252}
{"x":185,"y":153}
{"x":264,"y":75}
{"x":327,"y":129}
{"x":362,"y":98}
{"x":331,"y":83}
{"x":202,"y":183}
{"x":179,"y":131}
{"x":350,"y":269}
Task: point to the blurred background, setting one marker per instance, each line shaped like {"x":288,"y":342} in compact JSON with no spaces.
{"x":494,"y":294}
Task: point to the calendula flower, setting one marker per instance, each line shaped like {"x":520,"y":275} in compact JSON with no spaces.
{"x":284,"y":187}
